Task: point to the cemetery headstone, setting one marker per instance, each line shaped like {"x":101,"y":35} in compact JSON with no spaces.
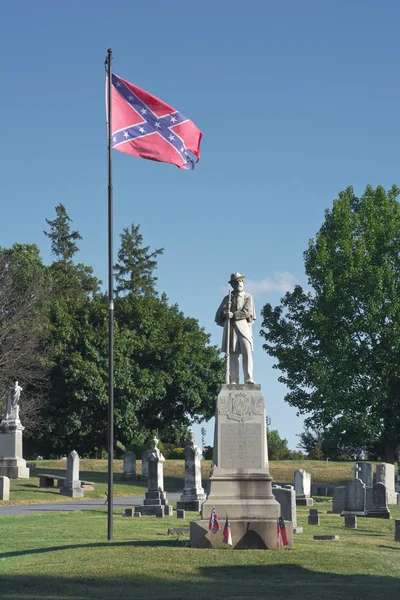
{"x":128,"y":512}
{"x":379,"y":509}
{"x":145,"y":464}
{"x":385,"y":475}
{"x":397,"y":530}
{"x":72,"y":485}
{"x":355,"y":498}
{"x":313,"y":517}
{"x":4,"y":488}
{"x":129,"y":467}
{"x":286,"y":497}
{"x":350,"y":522}
{"x":338,"y":501}
{"x":302,"y":486}
{"x":356,"y":470}
{"x":180,"y":513}
{"x":366,"y":473}
{"x":193,"y":493}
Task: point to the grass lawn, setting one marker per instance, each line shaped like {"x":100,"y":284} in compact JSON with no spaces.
{"x":66,"y":556}
{"x":26,"y":491}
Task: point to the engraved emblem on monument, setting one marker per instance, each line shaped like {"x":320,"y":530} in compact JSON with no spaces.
{"x":240,"y":407}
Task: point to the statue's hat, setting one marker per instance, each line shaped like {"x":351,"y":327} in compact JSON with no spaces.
{"x":235,"y":277}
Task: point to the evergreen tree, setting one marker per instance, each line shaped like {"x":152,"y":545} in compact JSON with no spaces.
{"x":63,"y":240}
{"x":134,"y":270}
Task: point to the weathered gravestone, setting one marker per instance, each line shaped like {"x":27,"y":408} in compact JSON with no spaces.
{"x":338,"y":502}
{"x":4,"y":488}
{"x":355,"y":498}
{"x":313,"y":517}
{"x":155,"y":502}
{"x":397,"y":530}
{"x":286,"y":497}
{"x":145,"y":465}
{"x":193,"y":493}
{"x":350,"y":522}
{"x":72,"y":485}
{"x":385,"y":475}
{"x":366,"y":473}
{"x":379,"y":509}
{"x":302,"y":486}
{"x":129,"y":467}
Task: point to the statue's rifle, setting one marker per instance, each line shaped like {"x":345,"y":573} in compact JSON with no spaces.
{"x":228,"y":340}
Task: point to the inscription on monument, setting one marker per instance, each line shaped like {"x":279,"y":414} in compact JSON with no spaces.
{"x":241,"y":445}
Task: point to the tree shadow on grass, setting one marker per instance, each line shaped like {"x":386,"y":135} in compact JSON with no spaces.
{"x":251,"y":582}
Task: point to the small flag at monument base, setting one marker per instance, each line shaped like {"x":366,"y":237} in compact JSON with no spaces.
{"x":214,"y":525}
{"x":282,"y":537}
{"x":227,"y":539}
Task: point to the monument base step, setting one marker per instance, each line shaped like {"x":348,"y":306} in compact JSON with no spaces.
{"x":193,"y":505}
{"x":72,"y":493}
{"x":377,"y":513}
{"x":13,"y":468}
{"x":259,"y":534}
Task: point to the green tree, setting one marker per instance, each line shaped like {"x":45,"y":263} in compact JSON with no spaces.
{"x":73,"y":340}
{"x":338,"y":345}
{"x":63,"y":240}
{"x":277,"y":446}
{"x":135,"y":266}
{"x":24,"y":321}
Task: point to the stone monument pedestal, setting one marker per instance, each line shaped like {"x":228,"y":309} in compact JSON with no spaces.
{"x":12,"y":464}
{"x":240,"y":484}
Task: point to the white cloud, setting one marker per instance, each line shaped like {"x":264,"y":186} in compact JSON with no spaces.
{"x":281,"y":282}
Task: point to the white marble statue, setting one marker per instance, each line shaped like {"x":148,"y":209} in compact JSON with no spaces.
{"x":12,"y":407}
{"x":241,"y":317}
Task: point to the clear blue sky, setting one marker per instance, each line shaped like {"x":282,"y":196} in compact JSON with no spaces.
{"x":296,"y":100}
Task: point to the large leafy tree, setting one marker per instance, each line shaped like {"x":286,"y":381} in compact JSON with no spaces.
{"x":72,"y":290}
{"x":165,"y":372}
{"x":136,"y":264}
{"x":24,"y":325}
{"x":338,"y":345}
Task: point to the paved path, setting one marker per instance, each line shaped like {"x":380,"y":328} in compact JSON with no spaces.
{"x":69,"y":506}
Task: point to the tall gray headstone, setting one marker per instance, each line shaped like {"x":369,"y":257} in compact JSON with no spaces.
{"x":355,"y":497}
{"x":193,"y":493}
{"x":286,"y":497}
{"x":129,"y":466}
{"x":302,"y":486}
{"x":145,"y":466}
{"x":72,"y":484}
{"x":379,"y":509}
{"x":385,"y":475}
{"x":4,"y":488}
{"x":338,"y":501}
{"x":366,"y":473}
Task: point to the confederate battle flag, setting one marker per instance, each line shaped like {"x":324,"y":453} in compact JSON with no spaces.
{"x":214,"y":525}
{"x":144,"y":126}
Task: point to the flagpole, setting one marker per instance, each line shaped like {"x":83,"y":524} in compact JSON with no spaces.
{"x":110,"y":310}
